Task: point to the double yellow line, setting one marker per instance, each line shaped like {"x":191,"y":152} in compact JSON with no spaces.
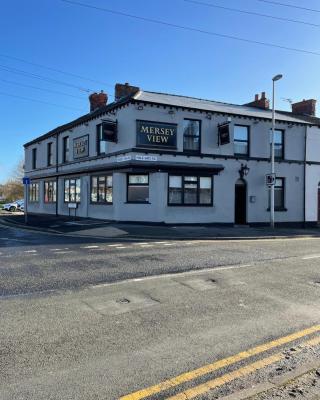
{"x":199,"y":372}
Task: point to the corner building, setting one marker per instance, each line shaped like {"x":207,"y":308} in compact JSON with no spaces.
{"x":162,"y":158}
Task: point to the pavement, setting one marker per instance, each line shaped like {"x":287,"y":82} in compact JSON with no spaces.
{"x":88,"y":227}
{"x":85,"y":318}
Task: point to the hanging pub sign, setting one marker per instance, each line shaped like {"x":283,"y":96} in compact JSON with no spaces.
{"x":81,"y":147}
{"x":156,"y":134}
{"x":109,"y":131}
{"x":224,"y":133}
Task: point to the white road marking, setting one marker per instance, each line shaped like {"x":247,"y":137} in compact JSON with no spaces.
{"x":138,"y":244}
{"x":160,"y":242}
{"x":146,"y":245}
{"x":168,"y":244}
{"x":311,"y":257}
{"x":63,"y":252}
{"x":30,"y":251}
{"x":121,"y":247}
{"x":89,"y":247}
{"x":56,"y":249}
{"x":114,"y":245}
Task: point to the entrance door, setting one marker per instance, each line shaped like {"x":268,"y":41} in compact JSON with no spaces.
{"x":240,"y":214}
{"x":319,"y":204}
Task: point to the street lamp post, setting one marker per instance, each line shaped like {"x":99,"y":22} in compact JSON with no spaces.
{"x":274,"y":79}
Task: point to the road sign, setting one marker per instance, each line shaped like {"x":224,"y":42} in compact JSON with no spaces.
{"x":270,"y":179}
{"x":26,"y":180}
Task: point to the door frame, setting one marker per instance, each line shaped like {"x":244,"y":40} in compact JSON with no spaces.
{"x":242,"y":183}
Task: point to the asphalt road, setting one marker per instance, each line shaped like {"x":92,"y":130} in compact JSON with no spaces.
{"x":82,"y":319}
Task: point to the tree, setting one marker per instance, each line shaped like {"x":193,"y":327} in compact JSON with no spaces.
{"x":13,"y":188}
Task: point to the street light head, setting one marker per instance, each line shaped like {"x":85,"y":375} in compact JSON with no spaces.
{"x":277,"y":78}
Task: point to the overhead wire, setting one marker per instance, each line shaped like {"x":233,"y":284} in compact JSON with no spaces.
{"x":192,"y":29}
{"x":256,"y":14}
{"x":278,"y":3}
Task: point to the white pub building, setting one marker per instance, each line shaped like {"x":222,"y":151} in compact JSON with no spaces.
{"x":162,"y":158}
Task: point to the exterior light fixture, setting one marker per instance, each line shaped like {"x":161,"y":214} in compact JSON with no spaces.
{"x":140,"y":108}
{"x":244,"y":171}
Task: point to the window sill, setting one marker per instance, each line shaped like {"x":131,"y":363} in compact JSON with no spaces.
{"x":278,"y":209}
{"x":100,"y":203}
{"x":190,"y":205}
{"x":137,"y":202}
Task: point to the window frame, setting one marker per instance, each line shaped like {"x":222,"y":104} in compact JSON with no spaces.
{"x":247,"y":154}
{"x":54,"y":190}
{"x":138,"y":184}
{"x":98,"y":133}
{"x":190,"y":151}
{"x":283,"y":145}
{"x":106,"y":186}
{"x":283,"y":197}
{"x":198,"y":204}
{"x":34,"y":194}
{"x":75,"y":185}
{"x":49,"y":154}
{"x":65,"y":149}
{"x":34,"y":158}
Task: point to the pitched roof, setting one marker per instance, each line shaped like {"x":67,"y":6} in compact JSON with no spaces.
{"x":184,"y":102}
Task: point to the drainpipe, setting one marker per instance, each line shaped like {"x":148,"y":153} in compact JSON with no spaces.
{"x":57,"y":179}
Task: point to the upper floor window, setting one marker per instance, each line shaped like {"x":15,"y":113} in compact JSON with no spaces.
{"x":34,"y":192}
{"x":279,"y":144}
{"x":191,"y":135}
{"x":279,"y":194}
{"x":101,"y":141}
{"x":66,"y":149}
{"x":101,"y":189}
{"x":190,"y":190}
{"x":72,"y":190}
{"x":49,"y":154}
{"x":241,"y":140}
{"x":34,"y":158}
{"x":50,"y":191}
{"x":138,"y":188}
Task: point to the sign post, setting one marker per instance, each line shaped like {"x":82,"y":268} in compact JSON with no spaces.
{"x":26,"y":182}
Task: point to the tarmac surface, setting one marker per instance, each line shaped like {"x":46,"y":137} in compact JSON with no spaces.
{"x":86,"y":318}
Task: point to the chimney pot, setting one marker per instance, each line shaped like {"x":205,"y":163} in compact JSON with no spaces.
{"x":97,"y":100}
{"x":123,"y":90}
{"x":262,"y":102}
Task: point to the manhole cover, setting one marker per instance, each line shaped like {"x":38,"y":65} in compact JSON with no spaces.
{"x":123,"y":301}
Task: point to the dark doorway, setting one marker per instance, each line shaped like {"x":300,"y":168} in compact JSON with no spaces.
{"x":240,"y":203}
{"x":319,"y":204}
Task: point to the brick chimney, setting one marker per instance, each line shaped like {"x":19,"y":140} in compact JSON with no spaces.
{"x":305,"y":107}
{"x":123,"y":90}
{"x":97,"y":100}
{"x":261,"y":102}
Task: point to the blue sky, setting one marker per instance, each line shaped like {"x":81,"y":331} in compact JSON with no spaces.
{"x":110,"y":49}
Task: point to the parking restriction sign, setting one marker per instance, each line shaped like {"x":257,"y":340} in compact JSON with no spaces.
{"x":270,"y":179}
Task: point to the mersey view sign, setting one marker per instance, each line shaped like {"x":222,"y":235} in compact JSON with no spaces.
{"x":156,"y":134}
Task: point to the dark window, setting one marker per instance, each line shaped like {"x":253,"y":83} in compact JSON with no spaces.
{"x":138,"y":188}
{"x":241,"y":140}
{"x":279,"y":144}
{"x":191,"y":135}
{"x":66,"y":149}
{"x":101,"y":141}
{"x":72,"y":190}
{"x":190,"y":190}
{"x":34,"y":192}
{"x":101,"y":189}
{"x":279,"y":194}
{"x":50,"y":191}
{"x":34,"y":158}
{"x":49,"y":154}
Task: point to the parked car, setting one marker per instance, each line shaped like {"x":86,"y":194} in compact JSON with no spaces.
{"x":14,"y":206}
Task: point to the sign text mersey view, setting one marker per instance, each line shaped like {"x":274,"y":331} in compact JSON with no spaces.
{"x":156,"y":134}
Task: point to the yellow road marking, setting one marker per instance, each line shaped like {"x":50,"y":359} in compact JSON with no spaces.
{"x":188,"y":376}
{"x":239,"y":373}
{"x":222,"y":380}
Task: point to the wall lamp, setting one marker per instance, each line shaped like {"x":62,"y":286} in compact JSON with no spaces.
{"x":243,"y":171}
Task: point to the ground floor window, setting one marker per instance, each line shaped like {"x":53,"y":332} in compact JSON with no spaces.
{"x":279,"y":194}
{"x":34,"y":192}
{"x":50,"y":191}
{"x":138,"y":188}
{"x":101,"y":189}
{"x":72,"y":190}
{"x":190,"y":190}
